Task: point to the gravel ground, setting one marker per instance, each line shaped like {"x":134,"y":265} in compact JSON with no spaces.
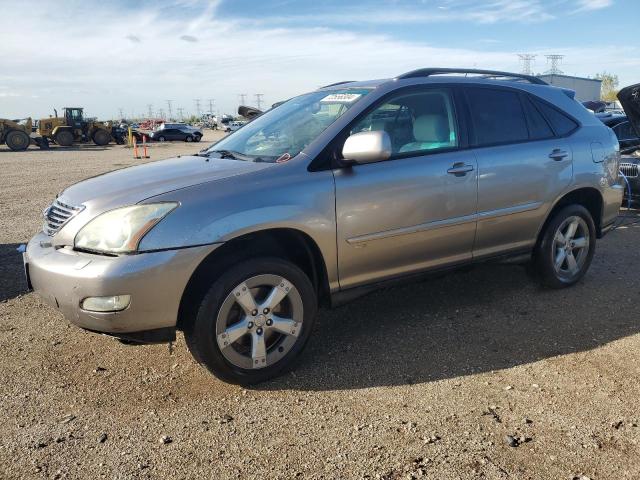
{"x":479,"y":374}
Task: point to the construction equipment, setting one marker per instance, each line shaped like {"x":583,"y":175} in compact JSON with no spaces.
{"x":15,"y":133}
{"x":73,"y":127}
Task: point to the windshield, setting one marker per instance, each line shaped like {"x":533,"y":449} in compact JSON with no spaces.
{"x":285,"y":131}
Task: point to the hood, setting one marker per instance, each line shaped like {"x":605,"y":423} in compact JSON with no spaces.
{"x":630,"y":99}
{"x":135,"y":184}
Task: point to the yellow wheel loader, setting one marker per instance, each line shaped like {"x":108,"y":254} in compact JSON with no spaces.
{"x":73,"y":127}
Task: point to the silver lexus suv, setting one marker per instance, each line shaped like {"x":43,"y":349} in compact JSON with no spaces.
{"x":325,"y":197}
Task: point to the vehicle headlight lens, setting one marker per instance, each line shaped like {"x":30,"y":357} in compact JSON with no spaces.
{"x":120,"y":231}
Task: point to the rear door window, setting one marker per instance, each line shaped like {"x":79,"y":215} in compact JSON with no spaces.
{"x":561,"y":123}
{"x":497,"y":116}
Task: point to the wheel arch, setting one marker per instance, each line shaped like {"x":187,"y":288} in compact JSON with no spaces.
{"x":589,"y":197}
{"x":291,"y":244}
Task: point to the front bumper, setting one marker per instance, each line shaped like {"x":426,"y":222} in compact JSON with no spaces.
{"x":155,"y":281}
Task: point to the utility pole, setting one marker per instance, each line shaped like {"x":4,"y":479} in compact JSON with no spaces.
{"x":243,"y":98}
{"x":526,"y":59}
{"x":555,"y":61}
{"x":169,"y":108}
{"x":197,"y":100}
{"x":180,"y":112}
{"x":259,"y":100}
{"x":150,"y":107}
{"x":211,"y":103}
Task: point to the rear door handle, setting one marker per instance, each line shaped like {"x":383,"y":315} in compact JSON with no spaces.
{"x":460,"y":169}
{"x":558,"y":154}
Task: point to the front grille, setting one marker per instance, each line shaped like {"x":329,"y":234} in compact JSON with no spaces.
{"x":57,"y":215}
{"x":629,"y":169}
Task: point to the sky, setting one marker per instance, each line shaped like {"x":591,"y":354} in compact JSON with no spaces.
{"x":124,"y":56}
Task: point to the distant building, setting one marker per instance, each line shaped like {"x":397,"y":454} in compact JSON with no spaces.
{"x":587,"y":89}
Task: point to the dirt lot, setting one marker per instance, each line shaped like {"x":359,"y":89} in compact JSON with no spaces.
{"x":417,"y":381}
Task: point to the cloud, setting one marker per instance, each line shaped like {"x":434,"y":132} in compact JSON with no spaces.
{"x":587,"y":5}
{"x":189,"y":38}
{"x":277,"y":59}
{"x":133,"y":38}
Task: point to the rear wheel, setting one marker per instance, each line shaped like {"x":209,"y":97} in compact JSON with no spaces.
{"x":161,"y":138}
{"x":197,"y":138}
{"x":101,"y":137}
{"x":189,"y":138}
{"x":17,"y":140}
{"x":254,"y":320}
{"x":64,"y":138}
{"x":564,"y":254}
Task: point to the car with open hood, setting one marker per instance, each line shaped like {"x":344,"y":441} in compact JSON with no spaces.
{"x":628,"y":133}
{"x":331,"y":195}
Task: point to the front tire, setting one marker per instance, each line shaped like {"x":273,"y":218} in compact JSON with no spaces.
{"x":189,"y":138}
{"x":64,"y":138}
{"x":101,"y":137}
{"x":254,"y":320}
{"x":566,"y":249}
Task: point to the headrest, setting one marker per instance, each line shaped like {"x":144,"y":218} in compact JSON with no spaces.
{"x":431,"y":128}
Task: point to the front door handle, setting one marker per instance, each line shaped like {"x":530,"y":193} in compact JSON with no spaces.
{"x":460,"y":169}
{"x":558,"y":154}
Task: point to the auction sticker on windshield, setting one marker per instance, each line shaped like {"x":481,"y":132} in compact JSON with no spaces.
{"x":341,"y":98}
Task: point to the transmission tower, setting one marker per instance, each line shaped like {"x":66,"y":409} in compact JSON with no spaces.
{"x":243,"y":98}
{"x":197,"y":100}
{"x":211,"y":104}
{"x":169,"y":108}
{"x":259,"y":100}
{"x":527,"y":59}
{"x":120,"y":113}
{"x":555,"y":61}
{"x":150,"y":108}
{"x":181,"y":113}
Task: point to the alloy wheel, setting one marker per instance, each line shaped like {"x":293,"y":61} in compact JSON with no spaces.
{"x":570,"y":247}
{"x":259,"y":321}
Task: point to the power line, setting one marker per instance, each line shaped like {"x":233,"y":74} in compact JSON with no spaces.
{"x":259,"y":100}
{"x":555,"y":61}
{"x":527,"y":59}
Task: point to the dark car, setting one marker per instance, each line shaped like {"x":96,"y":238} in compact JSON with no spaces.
{"x":628,"y":132}
{"x":180,"y":133}
{"x":622,"y":127}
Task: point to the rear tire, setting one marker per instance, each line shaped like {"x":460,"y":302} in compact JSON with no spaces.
{"x":17,"y":140}
{"x":265,"y":326}
{"x":189,"y":138}
{"x":161,"y":138}
{"x":101,"y":137}
{"x":64,"y":138}
{"x":566,"y":248}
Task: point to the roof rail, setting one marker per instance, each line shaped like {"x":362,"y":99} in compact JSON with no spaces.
{"x":338,"y":83}
{"x":426,"y":72}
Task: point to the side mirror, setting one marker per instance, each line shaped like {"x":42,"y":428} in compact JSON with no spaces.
{"x":367,"y":147}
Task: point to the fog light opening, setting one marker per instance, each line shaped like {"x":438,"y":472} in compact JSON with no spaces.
{"x":113,"y":303}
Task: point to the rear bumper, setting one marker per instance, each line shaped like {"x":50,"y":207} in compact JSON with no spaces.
{"x":155,"y":281}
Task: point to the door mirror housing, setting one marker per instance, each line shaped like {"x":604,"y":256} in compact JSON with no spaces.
{"x":367,"y":147}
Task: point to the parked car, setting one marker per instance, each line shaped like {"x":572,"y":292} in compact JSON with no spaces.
{"x":627,"y":137}
{"x":233,"y":126}
{"x":333,"y":194}
{"x":177,"y":131}
{"x":628,"y":133}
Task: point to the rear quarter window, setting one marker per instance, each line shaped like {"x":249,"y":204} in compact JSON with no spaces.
{"x":561,"y":123}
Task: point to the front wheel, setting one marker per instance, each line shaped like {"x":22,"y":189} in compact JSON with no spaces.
{"x":189,"y":138}
{"x":254,"y":320}
{"x":566,"y":249}
{"x":101,"y":137}
{"x":161,"y":138}
{"x":17,"y":140}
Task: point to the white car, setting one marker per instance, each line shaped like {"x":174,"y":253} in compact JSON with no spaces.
{"x":233,"y":126}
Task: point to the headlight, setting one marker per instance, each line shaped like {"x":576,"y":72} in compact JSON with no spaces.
{"x":120,"y":231}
